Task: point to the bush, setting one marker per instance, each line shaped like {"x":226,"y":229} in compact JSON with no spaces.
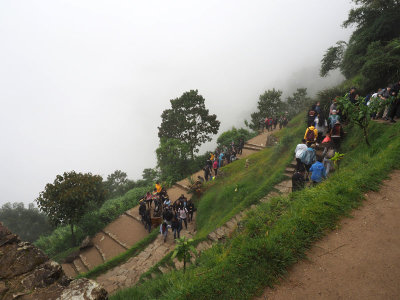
{"x":60,"y":239}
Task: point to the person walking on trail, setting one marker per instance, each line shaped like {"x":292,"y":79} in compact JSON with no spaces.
{"x":164,"y":230}
{"x":336,"y":135}
{"x":147,"y":220}
{"x":142,"y":210}
{"x":300,"y":149}
{"x":328,"y":153}
{"x":176,"y":227}
{"x":311,"y":134}
{"x":298,"y":180}
{"x":321,"y":125}
{"x":241,"y":145}
{"x":275,"y":122}
{"x":311,"y":117}
{"x":158,"y":187}
{"x":215,"y":167}
{"x":182,"y":212}
{"x":332,"y":119}
{"x":191,"y":210}
{"x":318,"y":171}
{"x":308,"y":158}
{"x":207,"y":172}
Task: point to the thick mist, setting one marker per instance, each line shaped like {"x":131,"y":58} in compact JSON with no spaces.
{"x":83,"y":83}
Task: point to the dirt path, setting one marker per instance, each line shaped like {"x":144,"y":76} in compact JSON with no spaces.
{"x":360,"y":260}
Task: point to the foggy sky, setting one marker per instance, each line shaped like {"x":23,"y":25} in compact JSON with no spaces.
{"x":83,"y":83}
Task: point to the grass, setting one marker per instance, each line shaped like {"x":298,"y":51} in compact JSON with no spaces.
{"x":277,"y":234}
{"x":239,"y":187}
{"x":121,"y":258}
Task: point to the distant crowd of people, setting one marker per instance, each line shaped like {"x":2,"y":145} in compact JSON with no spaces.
{"x":386,"y":102}
{"x":270,"y":123}
{"x":221,"y":157}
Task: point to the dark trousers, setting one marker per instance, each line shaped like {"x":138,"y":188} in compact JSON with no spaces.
{"x":177,"y":232}
{"x":299,"y":164}
{"x":393,"y":109}
{"x":184,"y":221}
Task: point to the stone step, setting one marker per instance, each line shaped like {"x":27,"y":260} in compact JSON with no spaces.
{"x":84,"y":261}
{"x":102,"y":254}
{"x":254,"y":145}
{"x":182,"y":186}
{"x":251,"y":148}
{"x":115,"y":238}
{"x":130,"y":215}
{"x":79,"y":266}
{"x":69,"y":270}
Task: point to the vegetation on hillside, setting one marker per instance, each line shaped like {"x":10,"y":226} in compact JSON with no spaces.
{"x":91,"y":222}
{"x":373,"y":51}
{"x":277,"y":234}
{"x":29,"y":223}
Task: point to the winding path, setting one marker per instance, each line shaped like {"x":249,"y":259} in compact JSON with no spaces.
{"x":359,"y":260}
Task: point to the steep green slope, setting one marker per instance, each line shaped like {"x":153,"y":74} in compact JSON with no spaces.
{"x":278,"y":233}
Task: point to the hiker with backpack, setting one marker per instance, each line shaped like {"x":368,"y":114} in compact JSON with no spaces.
{"x":176,"y":227}
{"x":298,"y":180}
{"x":299,"y":151}
{"x":310,"y":117}
{"x":164,"y":230}
{"x":317,"y":171}
{"x":336,"y":135}
{"x":321,"y":125}
{"x":308,"y":158}
{"x":332,"y":119}
{"x":311,"y":134}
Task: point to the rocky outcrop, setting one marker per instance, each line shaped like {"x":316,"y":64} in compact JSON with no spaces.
{"x":26,"y":273}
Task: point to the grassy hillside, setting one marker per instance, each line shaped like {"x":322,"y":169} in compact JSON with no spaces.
{"x":277,"y":233}
{"x":239,"y":187}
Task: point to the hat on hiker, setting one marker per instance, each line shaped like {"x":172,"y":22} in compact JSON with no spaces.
{"x":334,"y":111}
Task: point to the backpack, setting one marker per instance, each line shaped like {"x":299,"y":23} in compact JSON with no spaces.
{"x":310,"y":136}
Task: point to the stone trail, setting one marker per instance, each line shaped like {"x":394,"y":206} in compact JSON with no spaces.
{"x":129,"y":273}
{"x":126,"y":230}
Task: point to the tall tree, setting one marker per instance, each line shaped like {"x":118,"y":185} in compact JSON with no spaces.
{"x":269,"y":105}
{"x":29,"y":223}
{"x":298,"y":101}
{"x":173,"y":158}
{"x":150,"y":175}
{"x":374,"y":21}
{"x":70,"y":196}
{"x":189,"y":121}
{"x":117,"y":183}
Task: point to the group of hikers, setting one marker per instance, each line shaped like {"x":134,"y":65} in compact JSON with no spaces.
{"x":325,"y":134}
{"x":222,"y":157}
{"x":270,"y":123}
{"x":386,"y":102}
{"x":169,"y":215}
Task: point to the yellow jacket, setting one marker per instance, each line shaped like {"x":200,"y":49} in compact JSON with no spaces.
{"x":158,"y":187}
{"x":313,"y":129}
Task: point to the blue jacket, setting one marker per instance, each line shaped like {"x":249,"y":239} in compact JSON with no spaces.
{"x":318,"y":171}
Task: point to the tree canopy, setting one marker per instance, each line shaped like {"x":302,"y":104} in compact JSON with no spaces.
{"x":70,"y":196}
{"x":376,"y":25}
{"x":269,"y":105}
{"x":189,"y":121}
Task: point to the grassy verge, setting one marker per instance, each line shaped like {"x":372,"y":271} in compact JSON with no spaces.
{"x":277,"y":234}
{"x":239,"y":187}
{"x":121,"y":258}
